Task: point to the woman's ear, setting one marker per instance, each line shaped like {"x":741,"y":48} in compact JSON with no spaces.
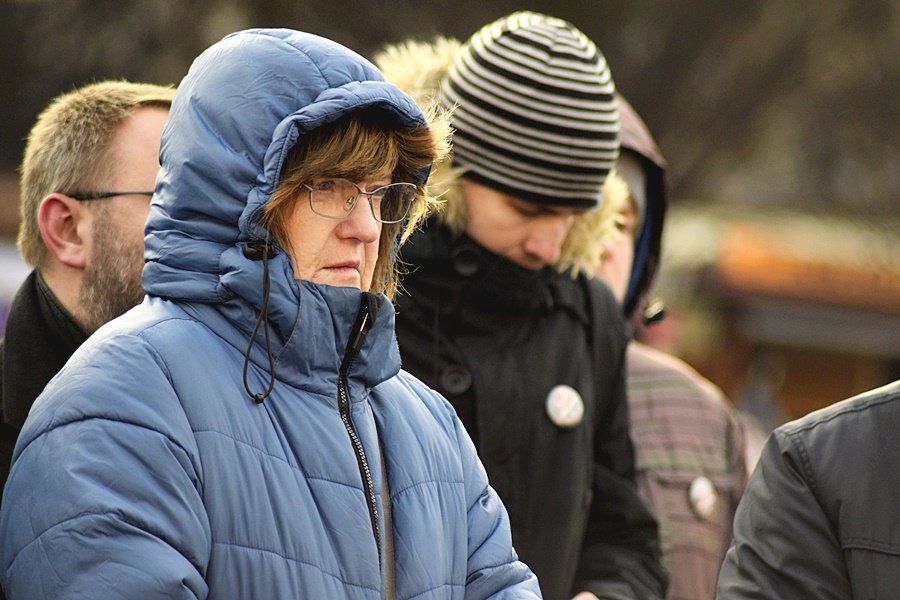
{"x":66,"y":227}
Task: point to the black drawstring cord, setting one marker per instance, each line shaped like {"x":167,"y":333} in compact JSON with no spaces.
{"x":257,"y":252}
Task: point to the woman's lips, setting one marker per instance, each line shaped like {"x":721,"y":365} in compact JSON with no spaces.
{"x":344,"y":266}
{"x":345,"y":269}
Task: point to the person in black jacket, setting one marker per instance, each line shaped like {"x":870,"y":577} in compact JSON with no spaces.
{"x":819,"y":516}
{"x":499,"y":311}
{"x":87,"y":177}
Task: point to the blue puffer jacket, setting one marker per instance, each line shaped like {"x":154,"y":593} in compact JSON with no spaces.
{"x":146,"y":471}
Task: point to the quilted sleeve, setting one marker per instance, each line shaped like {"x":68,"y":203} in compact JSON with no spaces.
{"x":494,"y":570}
{"x":103,"y":499}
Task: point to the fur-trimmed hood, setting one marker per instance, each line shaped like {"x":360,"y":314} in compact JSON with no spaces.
{"x":418,"y":68}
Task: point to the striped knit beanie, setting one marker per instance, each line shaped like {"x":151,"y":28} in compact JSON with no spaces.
{"x":535,"y":113}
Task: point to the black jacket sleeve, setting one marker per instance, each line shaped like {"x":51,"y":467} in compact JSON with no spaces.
{"x":8,"y":432}
{"x":784,"y":544}
{"x":621,"y":556}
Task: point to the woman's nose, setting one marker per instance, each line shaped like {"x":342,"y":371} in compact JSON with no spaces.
{"x":361,"y":223}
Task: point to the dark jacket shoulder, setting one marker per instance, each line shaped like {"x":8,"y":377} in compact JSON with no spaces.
{"x":815,"y":518}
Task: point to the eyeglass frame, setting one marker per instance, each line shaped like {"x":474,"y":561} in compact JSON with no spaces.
{"x":360,"y":192}
{"x":81,"y":197}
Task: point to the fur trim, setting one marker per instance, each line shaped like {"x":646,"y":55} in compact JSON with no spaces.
{"x":599,"y":226}
{"x":418,"y":68}
{"x":420,"y":80}
{"x":615,"y":198}
{"x":430,"y":201}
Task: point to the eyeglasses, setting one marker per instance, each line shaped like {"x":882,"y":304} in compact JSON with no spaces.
{"x":336,"y":199}
{"x":102,"y":195}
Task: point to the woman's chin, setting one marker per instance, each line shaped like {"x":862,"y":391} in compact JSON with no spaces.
{"x":340,"y":278}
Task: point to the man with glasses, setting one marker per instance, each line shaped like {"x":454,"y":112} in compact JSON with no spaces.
{"x":86,"y":180}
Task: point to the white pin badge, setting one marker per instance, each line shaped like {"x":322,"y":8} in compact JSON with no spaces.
{"x":565,"y":406}
{"x":703,"y":497}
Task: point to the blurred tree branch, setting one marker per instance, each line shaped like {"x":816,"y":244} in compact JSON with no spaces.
{"x":757,"y":102}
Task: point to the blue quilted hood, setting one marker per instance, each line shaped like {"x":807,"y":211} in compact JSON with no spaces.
{"x":242,"y":106}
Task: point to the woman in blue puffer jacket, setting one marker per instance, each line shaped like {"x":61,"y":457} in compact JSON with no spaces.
{"x":246,"y":432}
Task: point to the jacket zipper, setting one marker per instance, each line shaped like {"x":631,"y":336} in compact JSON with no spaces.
{"x":357,"y":337}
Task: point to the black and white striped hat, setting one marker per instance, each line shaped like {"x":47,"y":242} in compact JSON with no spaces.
{"x":536,"y":116}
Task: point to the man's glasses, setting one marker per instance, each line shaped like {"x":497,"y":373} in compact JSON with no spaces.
{"x":336,"y":199}
{"x":102,"y":195}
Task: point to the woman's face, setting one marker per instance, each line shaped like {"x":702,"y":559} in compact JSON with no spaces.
{"x":617,"y":254}
{"x":339,"y":252}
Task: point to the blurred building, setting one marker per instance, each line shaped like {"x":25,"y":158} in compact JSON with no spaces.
{"x":787,"y":312}
{"x":9,"y":204}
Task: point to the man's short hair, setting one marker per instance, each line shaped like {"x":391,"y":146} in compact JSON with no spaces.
{"x":68,"y":148}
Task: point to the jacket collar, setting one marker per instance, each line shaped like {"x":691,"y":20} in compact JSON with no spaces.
{"x":41,"y":335}
{"x":309,"y":326}
{"x":454,"y":271}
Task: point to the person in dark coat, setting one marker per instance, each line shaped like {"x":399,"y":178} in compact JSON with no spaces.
{"x":688,"y":440}
{"x":499,"y":310}
{"x":88,"y":174}
{"x":819,"y":516}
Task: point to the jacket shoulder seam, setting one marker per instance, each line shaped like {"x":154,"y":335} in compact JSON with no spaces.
{"x":864,"y":543}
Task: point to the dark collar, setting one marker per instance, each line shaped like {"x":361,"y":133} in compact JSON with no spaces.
{"x":454,"y":270}
{"x":41,"y":335}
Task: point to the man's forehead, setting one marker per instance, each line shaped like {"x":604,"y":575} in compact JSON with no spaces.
{"x":561,"y":210}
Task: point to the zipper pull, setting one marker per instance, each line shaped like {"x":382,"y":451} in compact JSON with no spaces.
{"x":361,"y":330}
{"x":368,"y":311}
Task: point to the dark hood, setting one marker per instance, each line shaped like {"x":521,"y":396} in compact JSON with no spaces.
{"x":635,"y":137}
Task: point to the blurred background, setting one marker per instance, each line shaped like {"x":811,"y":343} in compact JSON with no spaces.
{"x":781,"y":269}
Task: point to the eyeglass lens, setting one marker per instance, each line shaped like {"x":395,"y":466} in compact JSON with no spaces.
{"x":336,"y":198}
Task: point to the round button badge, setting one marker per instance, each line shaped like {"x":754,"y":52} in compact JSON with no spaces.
{"x":703,"y":497}
{"x":456,"y":380}
{"x":565,"y":406}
